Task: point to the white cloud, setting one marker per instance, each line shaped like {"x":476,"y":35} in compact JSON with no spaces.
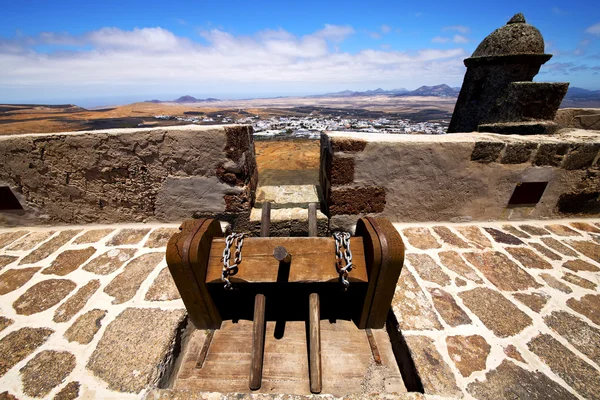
{"x":594,"y":29}
{"x":386,"y":28}
{"x":375,"y":35}
{"x":460,"y":39}
{"x":457,"y":28}
{"x":336,"y":33}
{"x":557,"y":11}
{"x":112,"y":61}
{"x":439,"y":39}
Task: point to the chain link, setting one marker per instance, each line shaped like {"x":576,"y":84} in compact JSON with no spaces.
{"x":236,"y":239}
{"x":342,"y":239}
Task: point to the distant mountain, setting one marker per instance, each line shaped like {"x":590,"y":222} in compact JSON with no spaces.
{"x":184,"y":100}
{"x":350,"y":93}
{"x":442,"y":90}
{"x":575,"y":93}
{"x":438,"y":90}
{"x":190,"y":99}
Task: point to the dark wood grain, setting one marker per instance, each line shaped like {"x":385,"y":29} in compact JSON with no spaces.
{"x":392,"y":260}
{"x":210,"y":333}
{"x":258,"y":341}
{"x":314,"y":343}
{"x":199,"y":251}
{"x":372,"y":255}
{"x":265,"y":219}
{"x":312,"y":219}
{"x":313,"y":260}
{"x":177,"y":256}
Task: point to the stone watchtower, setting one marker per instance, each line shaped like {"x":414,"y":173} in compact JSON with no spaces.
{"x":498,"y":94}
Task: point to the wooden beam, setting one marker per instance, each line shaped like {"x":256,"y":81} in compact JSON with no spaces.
{"x":313,"y":260}
{"x":314,"y":343}
{"x":258,"y":341}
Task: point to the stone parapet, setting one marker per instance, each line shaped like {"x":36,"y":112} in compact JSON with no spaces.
{"x":120,"y":175}
{"x":458,"y":177}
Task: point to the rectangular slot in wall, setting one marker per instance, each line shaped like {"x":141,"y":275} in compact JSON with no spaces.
{"x":8,"y":201}
{"x":527,"y":194}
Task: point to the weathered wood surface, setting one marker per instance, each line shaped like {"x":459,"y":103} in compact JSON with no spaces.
{"x":265,"y":219}
{"x":187,"y":260}
{"x":313,"y":260}
{"x":210,"y":333}
{"x":384,"y":257}
{"x":392,"y":260}
{"x":312,"y":219}
{"x":345,"y":363}
{"x":372,"y":250}
{"x":258,"y":341}
{"x":314,"y":345}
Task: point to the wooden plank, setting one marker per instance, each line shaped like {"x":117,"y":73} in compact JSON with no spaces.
{"x":187,"y":282}
{"x":199,"y":250}
{"x":313,"y":260}
{"x":258,"y":342}
{"x":312,"y":219}
{"x":314,"y":343}
{"x":265,"y":219}
{"x":392,"y":250}
{"x":345,"y":356}
{"x":372,"y":254}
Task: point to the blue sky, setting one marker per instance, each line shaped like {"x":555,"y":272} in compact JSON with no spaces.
{"x":111,"y":52}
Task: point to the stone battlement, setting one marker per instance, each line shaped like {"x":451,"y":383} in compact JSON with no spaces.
{"x":459,"y":177}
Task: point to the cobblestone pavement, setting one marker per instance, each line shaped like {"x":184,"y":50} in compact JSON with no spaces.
{"x":488,"y":310}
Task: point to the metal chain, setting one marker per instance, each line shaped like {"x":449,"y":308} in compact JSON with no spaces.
{"x":230,"y":270}
{"x":342,"y":239}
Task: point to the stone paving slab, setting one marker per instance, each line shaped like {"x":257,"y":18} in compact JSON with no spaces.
{"x":483,"y":307}
{"x":57,"y":290}
{"x":531,"y":304}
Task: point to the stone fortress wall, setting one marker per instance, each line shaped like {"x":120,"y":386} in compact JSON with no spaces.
{"x":129,"y":175}
{"x":458,"y":177}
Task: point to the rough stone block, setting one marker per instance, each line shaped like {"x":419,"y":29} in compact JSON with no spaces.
{"x":348,"y":145}
{"x":360,"y":200}
{"x":130,"y":365}
{"x":495,"y":311}
{"x":17,"y":345}
{"x":517,"y":153}
{"x":581,"y":156}
{"x":436,"y":375}
{"x":13,"y":279}
{"x":342,"y":170}
{"x":510,"y":381}
{"x":520,"y":128}
{"x":45,"y":371}
{"x":580,"y":375}
{"x":550,"y":154}
{"x":43,"y":295}
{"x":486,"y":152}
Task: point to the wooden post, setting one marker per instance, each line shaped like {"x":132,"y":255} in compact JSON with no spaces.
{"x":265,"y":219}
{"x":314,"y":318}
{"x":314,"y":347}
{"x":258,"y":342}
{"x":259,"y":322}
{"x":312,"y":219}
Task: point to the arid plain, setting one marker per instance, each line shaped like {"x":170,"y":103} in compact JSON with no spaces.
{"x":18,"y":119}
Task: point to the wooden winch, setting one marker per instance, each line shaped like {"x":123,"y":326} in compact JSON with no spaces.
{"x":286,"y":279}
